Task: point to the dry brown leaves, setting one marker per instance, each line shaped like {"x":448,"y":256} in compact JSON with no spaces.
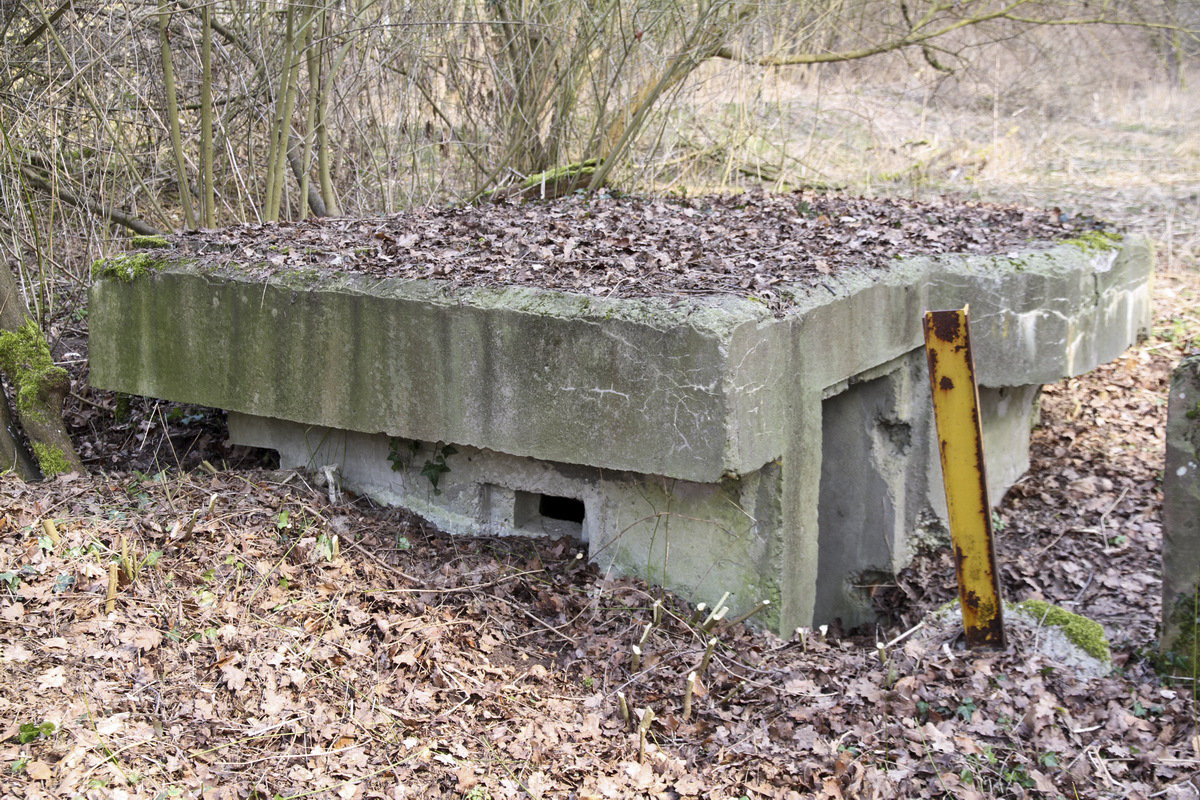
{"x":249,"y":655}
{"x":265,"y":643}
{"x":749,"y":245}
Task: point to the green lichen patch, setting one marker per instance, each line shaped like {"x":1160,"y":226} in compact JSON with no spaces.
{"x":51,"y":460}
{"x":300,"y":278}
{"x":1097,"y":241}
{"x":128,"y":266}
{"x":148,"y":242}
{"x":25,"y":359}
{"x":568,"y":172}
{"x":1086,"y":634}
{"x":1181,"y":654}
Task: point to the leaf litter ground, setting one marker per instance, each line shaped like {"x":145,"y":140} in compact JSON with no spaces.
{"x":267,"y":641}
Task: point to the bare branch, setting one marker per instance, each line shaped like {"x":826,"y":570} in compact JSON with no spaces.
{"x":134,"y":224}
{"x":41,"y":28}
{"x":910,"y":39}
{"x":315,"y":204}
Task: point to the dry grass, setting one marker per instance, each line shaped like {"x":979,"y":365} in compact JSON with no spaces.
{"x":1120,"y":145}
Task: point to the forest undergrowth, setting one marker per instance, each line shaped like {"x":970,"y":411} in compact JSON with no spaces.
{"x":185,"y":621}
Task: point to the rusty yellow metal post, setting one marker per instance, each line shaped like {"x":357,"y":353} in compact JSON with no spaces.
{"x":960,"y":441}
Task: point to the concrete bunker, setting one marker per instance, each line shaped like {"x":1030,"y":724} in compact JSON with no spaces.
{"x":709,"y":443}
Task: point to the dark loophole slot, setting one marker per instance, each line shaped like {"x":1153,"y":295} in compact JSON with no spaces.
{"x":567,"y":509}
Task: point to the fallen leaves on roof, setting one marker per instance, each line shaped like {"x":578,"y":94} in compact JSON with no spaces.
{"x":747,"y":245}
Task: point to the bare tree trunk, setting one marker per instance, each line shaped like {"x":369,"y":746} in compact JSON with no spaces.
{"x":324,"y":91}
{"x":704,"y":41}
{"x":527,"y":56}
{"x":208,"y":198}
{"x":168,"y":68}
{"x":13,"y":457}
{"x":39,"y":388}
{"x":285,"y":104}
{"x":316,"y":204}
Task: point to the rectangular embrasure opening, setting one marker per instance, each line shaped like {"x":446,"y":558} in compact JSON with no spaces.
{"x":546,"y":514}
{"x":564,"y":509}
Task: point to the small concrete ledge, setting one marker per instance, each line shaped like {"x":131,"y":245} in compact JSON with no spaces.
{"x":1180,"y":641}
{"x":706,"y":444}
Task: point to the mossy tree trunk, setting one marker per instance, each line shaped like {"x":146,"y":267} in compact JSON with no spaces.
{"x":39,"y":388}
{"x":13,"y":457}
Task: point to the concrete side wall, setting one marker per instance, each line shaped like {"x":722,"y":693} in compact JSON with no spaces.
{"x":881,"y":494}
{"x":1008,"y":415}
{"x":1048,"y":316}
{"x":700,"y":540}
{"x":1180,"y":642}
{"x":564,"y":378}
{"x":875,"y":485}
{"x":1035,"y":317}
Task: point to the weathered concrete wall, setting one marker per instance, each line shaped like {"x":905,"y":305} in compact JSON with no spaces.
{"x":623,"y":384}
{"x":705,"y":444}
{"x":876,"y":437}
{"x":1036,"y":317}
{"x":701,"y":539}
{"x":626,"y":385}
{"x":1180,"y":643}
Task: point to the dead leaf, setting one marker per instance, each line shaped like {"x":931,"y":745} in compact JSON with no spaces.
{"x":936,"y":739}
{"x":466,"y":778}
{"x":274,"y":703}
{"x":233,"y":677}
{"x":1043,"y":783}
{"x":15,"y":653}
{"x":831,"y":790}
{"x":110,"y":725}
{"x":142,"y":638}
{"x":52,"y":679}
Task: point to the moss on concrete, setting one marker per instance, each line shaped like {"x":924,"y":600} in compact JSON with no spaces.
{"x":128,"y":266}
{"x":154,"y":242}
{"x":572,"y":173}
{"x":299,"y":278}
{"x":1097,"y":241}
{"x":51,"y":460}
{"x":25,"y":358}
{"x":1086,"y":634}
{"x":1182,"y":656}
